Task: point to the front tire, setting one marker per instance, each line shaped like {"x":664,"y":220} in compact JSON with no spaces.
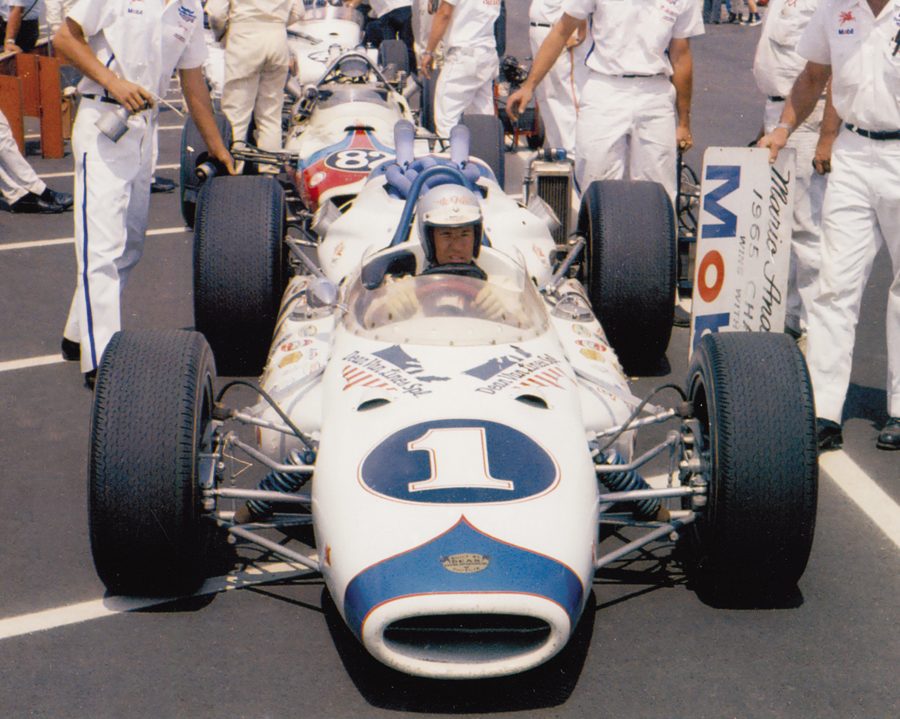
{"x":753,"y":397}
{"x":240,"y":269}
{"x":630,"y":267}
{"x":193,"y":153}
{"x":486,"y":143}
{"x":151,"y":419}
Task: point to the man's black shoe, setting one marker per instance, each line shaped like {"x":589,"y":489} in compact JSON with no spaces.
{"x":71,"y":351}
{"x":889,"y":438}
{"x":60,"y":198}
{"x":35,"y":204}
{"x":90,"y":379}
{"x":828,"y":435}
{"x":161,"y":184}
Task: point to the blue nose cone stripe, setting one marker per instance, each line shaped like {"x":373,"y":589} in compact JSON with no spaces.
{"x":421,"y":571}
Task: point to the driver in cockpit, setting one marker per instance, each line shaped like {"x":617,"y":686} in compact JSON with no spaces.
{"x":451,"y":228}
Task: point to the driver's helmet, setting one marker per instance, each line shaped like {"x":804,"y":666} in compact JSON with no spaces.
{"x":448,"y":206}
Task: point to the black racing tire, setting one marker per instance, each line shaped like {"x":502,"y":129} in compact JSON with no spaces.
{"x":629,"y":267}
{"x":486,"y":143}
{"x":151,"y":418}
{"x":393,"y":52}
{"x":426,"y":107}
{"x":535,"y":140}
{"x":753,"y":397}
{"x":193,"y":153}
{"x":240,"y":269}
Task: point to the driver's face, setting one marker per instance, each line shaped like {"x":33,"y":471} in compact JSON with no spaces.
{"x":453,"y":244}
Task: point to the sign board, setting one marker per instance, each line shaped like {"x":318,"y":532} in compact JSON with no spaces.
{"x":743,"y":241}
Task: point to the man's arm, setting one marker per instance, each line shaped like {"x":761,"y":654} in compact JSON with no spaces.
{"x":196,"y":95}
{"x":13,"y":25}
{"x":438,"y":28}
{"x":549,"y":51}
{"x":70,"y":42}
{"x":807,"y":89}
{"x":828,"y":132}
{"x":683,"y":80}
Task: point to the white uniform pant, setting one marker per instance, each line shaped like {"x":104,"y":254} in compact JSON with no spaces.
{"x":256,"y":69}
{"x":214,"y":66}
{"x":861,"y":211}
{"x":112,"y":198}
{"x":465,"y":85}
{"x":17,"y":178}
{"x":809,"y":193}
{"x":626,"y":131}
{"x":558,"y":93}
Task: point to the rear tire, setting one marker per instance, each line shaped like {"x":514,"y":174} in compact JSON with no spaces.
{"x":753,"y":397}
{"x":193,"y":153}
{"x":630,"y":267}
{"x":393,"y":51}
{"x":240,"y":269}
{"x":151,"y":418}
{"x":486,"y":143}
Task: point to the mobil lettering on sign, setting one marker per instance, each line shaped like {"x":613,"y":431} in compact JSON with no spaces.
{"x":743,"y":241}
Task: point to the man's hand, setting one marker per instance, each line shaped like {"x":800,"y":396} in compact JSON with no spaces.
{"x":683,"y":138}
{"x":775,"y":141}
{"x":223,"y":156}
{"x":401,"y":303}
{"x":130,"y":95}
{"x":426,"y":63}
{"x":518,"y":101}
{"x":489,"y":305}
{"x":11,"y":46}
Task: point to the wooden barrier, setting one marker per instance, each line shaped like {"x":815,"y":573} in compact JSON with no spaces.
{"x":30,"y":86}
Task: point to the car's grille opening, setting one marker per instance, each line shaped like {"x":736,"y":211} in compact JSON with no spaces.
{"x":555,"y":190}
{"x":466,"y":637}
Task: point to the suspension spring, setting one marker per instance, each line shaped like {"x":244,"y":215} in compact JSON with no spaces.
{"x":287,"y":482}
{"x":628,"y":481}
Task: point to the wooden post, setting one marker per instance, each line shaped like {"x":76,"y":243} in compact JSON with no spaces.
{"x":51,"y":101}
{"x":11,"y":104}
{"x":27,"y":71}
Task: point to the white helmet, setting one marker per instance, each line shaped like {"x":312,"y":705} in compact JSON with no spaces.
{"x":448,"y":206}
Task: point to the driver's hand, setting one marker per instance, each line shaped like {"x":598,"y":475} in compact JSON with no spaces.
{"x":489,"y":305}
{"x":401,"y":304}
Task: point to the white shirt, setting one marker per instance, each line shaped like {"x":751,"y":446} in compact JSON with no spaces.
{"x":284,"y":12}
{"x":32,"y":8}
{"x":865,"y":84}
{"x":630,"y":37}
{"x":545,"y":11}
{"x":777,"y":62}
{"x":56,"y":13}
{"x":383,"y":7}
{"x":472,"y":23}
{"x":142,"y":40}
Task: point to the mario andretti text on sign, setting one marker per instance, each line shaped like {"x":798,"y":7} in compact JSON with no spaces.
{"x":744,"y":242}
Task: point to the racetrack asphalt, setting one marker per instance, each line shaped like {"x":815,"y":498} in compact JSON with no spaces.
{"x":648,"y":647}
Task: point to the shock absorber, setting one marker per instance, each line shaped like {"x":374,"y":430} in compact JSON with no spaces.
{"x":628,"y":481}
{"x":287,"y":482}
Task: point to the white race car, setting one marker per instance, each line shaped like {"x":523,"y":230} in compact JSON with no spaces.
{"x":456,"y":462}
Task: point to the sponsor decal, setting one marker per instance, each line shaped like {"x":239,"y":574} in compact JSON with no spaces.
{"x":393,"y":366}
{"x":187,"y":14}
{"x":550,"y":377}
{"x":845,"y":17}
{"x":458,"y":461}
{"x":591,"y":344}
{"x":465,"y":563}
{"x":581,"y":330}
{"x":354,"y":376}
{"x":508,"y":370}
{"x":290,"y":359}
{"x":591,"y":354}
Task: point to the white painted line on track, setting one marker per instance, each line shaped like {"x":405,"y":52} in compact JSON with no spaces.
{"x":71,"y":173}
{"x":864,"y":491}
{"x":110,"y":606}
{"x":69,"y":240}
{"x":30,"y":362}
